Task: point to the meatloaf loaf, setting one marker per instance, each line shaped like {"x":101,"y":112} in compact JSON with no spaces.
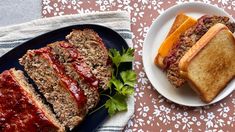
{"x":61,"y":91}
{"x":77,"y":69}
{"x":91,"y":47}
{"x":187,"y":40}
{"x":21,"y":109}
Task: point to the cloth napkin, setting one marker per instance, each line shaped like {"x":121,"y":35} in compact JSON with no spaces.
{"x":12,"y":36}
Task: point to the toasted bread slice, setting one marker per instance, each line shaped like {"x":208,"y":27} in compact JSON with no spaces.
{"x":180,"y":19}
{"x":210,"y":65}
{"x":170,"y":41}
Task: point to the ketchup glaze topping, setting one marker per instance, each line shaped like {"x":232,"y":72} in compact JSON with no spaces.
{"x":68,"y":82}
{"x":18,"y":111}
{"x":79,"y":65}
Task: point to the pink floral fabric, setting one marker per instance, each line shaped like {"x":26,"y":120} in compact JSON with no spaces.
{"x":153,"y":112}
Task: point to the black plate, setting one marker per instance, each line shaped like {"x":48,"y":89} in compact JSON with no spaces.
{"x":110,"y":38}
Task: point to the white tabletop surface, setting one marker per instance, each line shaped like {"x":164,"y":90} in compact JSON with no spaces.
{"x":19,"y":11}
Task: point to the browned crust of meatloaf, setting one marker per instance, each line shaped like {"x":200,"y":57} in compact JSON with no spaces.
{"x":26,"y":111}
{"x":91,"y":47}
{"x":69,"y":57}
{"x":187,"y":40}
{"x":50,"y":84}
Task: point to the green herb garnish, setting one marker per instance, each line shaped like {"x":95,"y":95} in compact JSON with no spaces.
{"x":123,"y":86}
{"x":122,"y":82}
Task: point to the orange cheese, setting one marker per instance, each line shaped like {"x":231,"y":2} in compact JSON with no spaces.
{"x":169,"y":42}
{"x":179,"y":20}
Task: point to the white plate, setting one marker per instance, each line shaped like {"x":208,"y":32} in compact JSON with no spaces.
{"x":156,"y":35}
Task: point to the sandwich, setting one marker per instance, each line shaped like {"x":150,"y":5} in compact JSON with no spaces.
{"x":174,"y":51}
{"x":210,"y":64}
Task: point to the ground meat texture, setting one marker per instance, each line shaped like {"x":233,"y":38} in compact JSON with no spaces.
{"x":21,"y":109}
{"x":186,"y":41}
{"x":77,"y":69}
{"x":70,"y":108}
{"x":95,"y":55}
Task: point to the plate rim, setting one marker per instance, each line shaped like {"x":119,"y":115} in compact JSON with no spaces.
{"x":147,"y":37}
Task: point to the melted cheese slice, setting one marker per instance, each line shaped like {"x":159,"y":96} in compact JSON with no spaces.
{"x":171,"y":40}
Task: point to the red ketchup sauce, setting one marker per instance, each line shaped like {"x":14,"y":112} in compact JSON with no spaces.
{"x":17,"y":111}
{"x":80,"y":66}
{"x":68,"y":82}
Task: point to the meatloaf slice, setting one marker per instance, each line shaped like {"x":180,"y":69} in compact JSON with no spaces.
{"x":61,"y":91}
{"x":77,"y":69}
{"x":21,"y":109}
{"x":94,"y":52}
{"x":187,"y":40}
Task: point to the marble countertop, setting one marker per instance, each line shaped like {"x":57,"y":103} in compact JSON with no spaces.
{"x":19,"y":11}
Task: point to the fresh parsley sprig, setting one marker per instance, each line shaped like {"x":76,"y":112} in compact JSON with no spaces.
{"x":122,"y":82}
{"x":117,"y":58}
{"x":123,"y":86}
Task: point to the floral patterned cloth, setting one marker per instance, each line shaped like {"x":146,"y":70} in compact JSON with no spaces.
{"x":153,"y":112}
